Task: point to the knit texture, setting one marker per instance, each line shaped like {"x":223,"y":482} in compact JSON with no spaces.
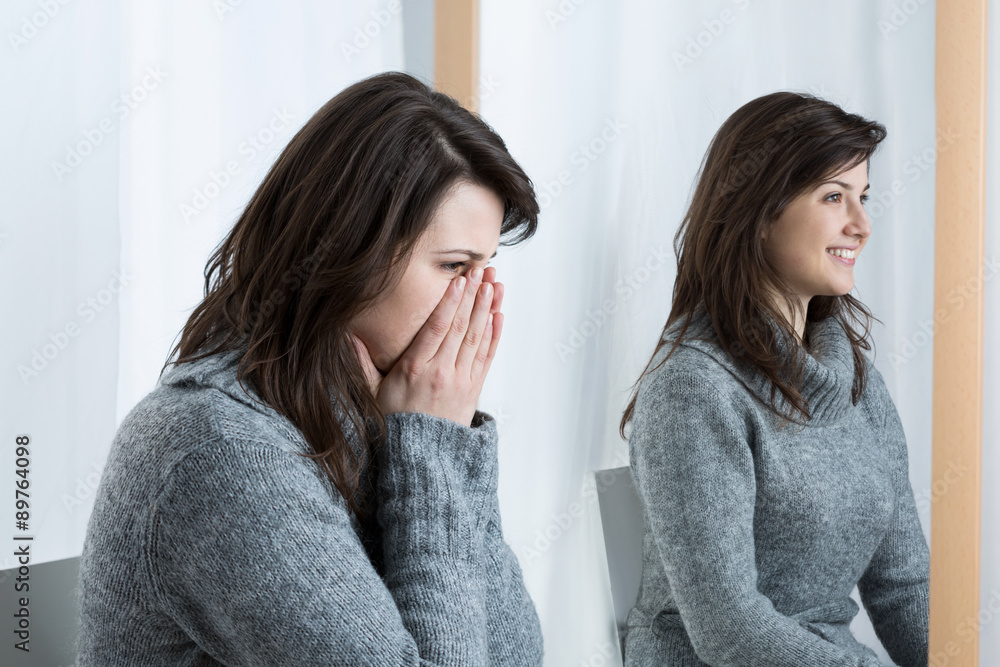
{"x":213,"y":541}
{"x":755,"y":537}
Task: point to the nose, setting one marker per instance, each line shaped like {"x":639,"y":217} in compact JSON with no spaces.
{"x":858,"y":224}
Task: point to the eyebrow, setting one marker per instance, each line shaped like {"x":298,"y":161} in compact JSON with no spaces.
{"x":473,"y":255}
{"x":845,"y":185}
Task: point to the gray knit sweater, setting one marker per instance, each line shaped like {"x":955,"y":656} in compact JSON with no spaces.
{"x":212,"y":541}
{"x":755,"y":537}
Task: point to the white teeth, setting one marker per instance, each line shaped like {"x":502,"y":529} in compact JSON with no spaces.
{"x":840,"y":252}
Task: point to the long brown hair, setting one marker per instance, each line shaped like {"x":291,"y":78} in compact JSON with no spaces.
{"x":330,"y":228}
{"x":768,"y":152}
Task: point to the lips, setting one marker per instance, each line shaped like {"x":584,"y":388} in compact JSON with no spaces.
{"x":848,"y":262}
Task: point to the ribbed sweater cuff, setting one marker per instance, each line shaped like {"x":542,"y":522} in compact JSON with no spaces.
{"x":436,"y":479}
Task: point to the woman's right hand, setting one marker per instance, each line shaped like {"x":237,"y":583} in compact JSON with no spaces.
{"x":442,"y":372}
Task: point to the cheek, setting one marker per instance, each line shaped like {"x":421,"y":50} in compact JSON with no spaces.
{"x":788,"y":255}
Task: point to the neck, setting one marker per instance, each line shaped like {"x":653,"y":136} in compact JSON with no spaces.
{"x":796,"y":319}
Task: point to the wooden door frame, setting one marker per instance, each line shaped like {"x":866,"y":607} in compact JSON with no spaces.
{"x":456,"y":50}
{"x":959,"y":251}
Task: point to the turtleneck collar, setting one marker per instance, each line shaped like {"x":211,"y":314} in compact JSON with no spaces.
{"x":828,"y":374}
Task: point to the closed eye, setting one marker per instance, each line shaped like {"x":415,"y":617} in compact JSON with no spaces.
{"x":453,"y":266}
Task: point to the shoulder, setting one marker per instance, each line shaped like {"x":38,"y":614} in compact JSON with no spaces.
{"x":695,"y":367}
{"x":692,"y":390}
{"x":174,"y":425}
{"x":184,"y":419}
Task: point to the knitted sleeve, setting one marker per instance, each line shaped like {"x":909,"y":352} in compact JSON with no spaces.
{"x":513,"y":628}
{"x":694,"y":470}
{"x":255,"y":562}
{"x":895,"y":588}
{"x":457,"y":467}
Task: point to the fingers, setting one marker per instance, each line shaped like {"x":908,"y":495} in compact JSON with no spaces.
{"x":490,"y":276}
{"x":367,"y":365}
{"x":477,"y":326}
{"x":453,"y":341}
{"x":491,"y":337}
{"x":497,"y":297}
{"x":456,"y":329}
{"x":495,"y":328}
{"x":428,"y":340}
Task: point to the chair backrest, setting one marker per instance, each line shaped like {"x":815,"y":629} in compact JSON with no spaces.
{"x":51,"y":615}
{"x":621,"y":522}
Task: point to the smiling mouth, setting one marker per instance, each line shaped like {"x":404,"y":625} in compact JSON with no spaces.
{"x":842,"y":260}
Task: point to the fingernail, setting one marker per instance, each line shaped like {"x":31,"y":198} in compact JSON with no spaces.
{"x":477,"y":273}
{"x":486,"y":289}
{"x":461,"y":283}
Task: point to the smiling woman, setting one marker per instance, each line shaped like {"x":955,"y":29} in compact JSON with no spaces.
{"x":311,"y":483}
{"x":756,"y":534}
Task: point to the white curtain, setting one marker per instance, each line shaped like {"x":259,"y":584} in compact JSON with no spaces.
{"x":63,"y":115}
{"x":134,"y":135}
{"x":610,"y":108}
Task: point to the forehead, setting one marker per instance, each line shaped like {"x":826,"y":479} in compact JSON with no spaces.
{"x":858,"y":172}
{"x":469,"y":217}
